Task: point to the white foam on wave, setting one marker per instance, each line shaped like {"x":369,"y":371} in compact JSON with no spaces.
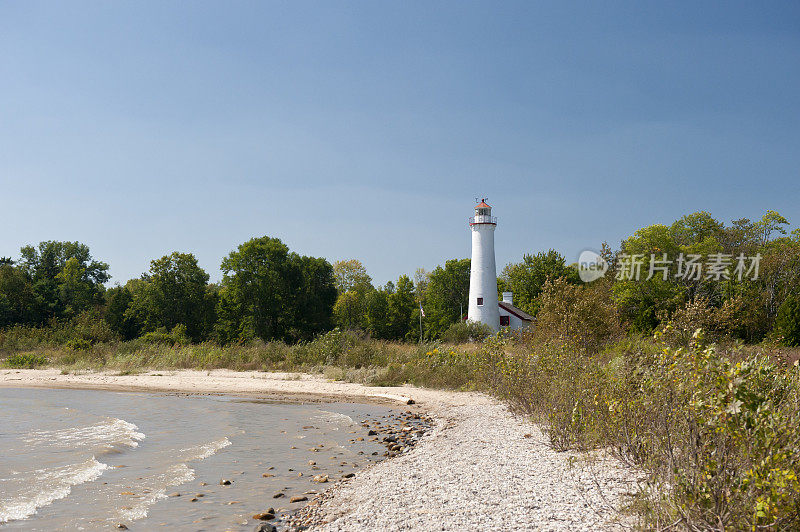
{"x":201,"y":452}
{"x":334,"y":417}
{"x":110,"y":433}
{"x":157,"y":484}
{"x":45,"y":486}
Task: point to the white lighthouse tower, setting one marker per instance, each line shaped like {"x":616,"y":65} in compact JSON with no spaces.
{"x":483,"y":305}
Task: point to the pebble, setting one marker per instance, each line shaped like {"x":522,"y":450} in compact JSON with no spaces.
{"x":474,"y":471}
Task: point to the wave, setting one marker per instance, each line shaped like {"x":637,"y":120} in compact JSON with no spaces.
{"x":333,"y":417}
{"x":110,"y":433}
{"x":157,"y":484}
{"x":201,"y":452}
{"x":45,"y":486}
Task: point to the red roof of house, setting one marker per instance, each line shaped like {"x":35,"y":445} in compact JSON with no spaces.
{"x":511,"y":309}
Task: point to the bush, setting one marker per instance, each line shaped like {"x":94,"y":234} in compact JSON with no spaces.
{"x":25,"y":361}
{"x":718,"y":434}
{"x":583,"y":316}
{"x":787,"y":322}
{"x":78,"y":344}
{"x":178,"y":336}
{"x":716,"y":322}
{"x":466,"y":331}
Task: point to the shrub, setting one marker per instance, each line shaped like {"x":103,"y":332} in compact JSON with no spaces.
{"x":159,"y":336}
{"x":178,"y":336}
{"x":78,"y":344}
{"x":580,"y":315}
{"x":466,"y":331}
{"x":718,"y":434}
{"x":716,"y":322}
{"x":25,"y":361}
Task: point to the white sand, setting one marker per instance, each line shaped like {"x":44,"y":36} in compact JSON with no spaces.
{"x":475,"y":470}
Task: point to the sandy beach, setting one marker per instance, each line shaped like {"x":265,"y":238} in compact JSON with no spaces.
{"x":479,"y":467}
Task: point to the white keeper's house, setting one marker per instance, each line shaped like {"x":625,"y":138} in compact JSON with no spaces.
{"x":483,"y":305}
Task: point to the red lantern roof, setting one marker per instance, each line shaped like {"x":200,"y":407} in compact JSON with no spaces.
{"x":483,"y":204}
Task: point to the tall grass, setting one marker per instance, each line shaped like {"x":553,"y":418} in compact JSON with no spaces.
{"x":341,"y":354}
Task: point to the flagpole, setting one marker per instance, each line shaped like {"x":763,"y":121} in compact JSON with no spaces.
{"x":420,"y":324}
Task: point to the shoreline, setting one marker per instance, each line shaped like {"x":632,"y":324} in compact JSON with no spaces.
{"x":290,"y":387}
{"x":478,"y":466}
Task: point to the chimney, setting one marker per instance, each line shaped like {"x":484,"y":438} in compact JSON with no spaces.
{"x":508,"y":297}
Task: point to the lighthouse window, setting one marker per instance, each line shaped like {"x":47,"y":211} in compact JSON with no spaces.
{"x":480,"y":301}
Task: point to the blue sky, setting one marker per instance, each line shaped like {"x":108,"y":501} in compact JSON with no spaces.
{"x":366,"y":129}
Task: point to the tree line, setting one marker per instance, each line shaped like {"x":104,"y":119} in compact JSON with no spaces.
{"x":270,"y":293}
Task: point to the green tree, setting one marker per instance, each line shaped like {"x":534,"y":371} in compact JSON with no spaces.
{"x":787,"y":323}
{"x":743,"y":236}
{"x":643,"y":301}
{"x":446,"y":295}
{"x":770,"y":223}
{"x":122,"y":321}
{"x":527,"y":278}
{"x":779,"y":272}
{"x":18,"y":302}
{"x":354,"y":286}
{"x":402,"y":305}
{"x":378,"y":320}
{"x":175,"y":293}
{"x":74,"y":291}
{"x":313,"y":297}
{"x":351,"y":275}
{"x":272,"y":294}
{"x":348,"y":311}
{"x":65,"y":276}
{"x":694,"y":228}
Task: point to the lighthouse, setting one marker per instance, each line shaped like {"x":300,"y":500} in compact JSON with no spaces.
{"x":483,"y":306}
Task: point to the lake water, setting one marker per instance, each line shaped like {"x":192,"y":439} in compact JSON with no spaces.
{"x":87,"y":460}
